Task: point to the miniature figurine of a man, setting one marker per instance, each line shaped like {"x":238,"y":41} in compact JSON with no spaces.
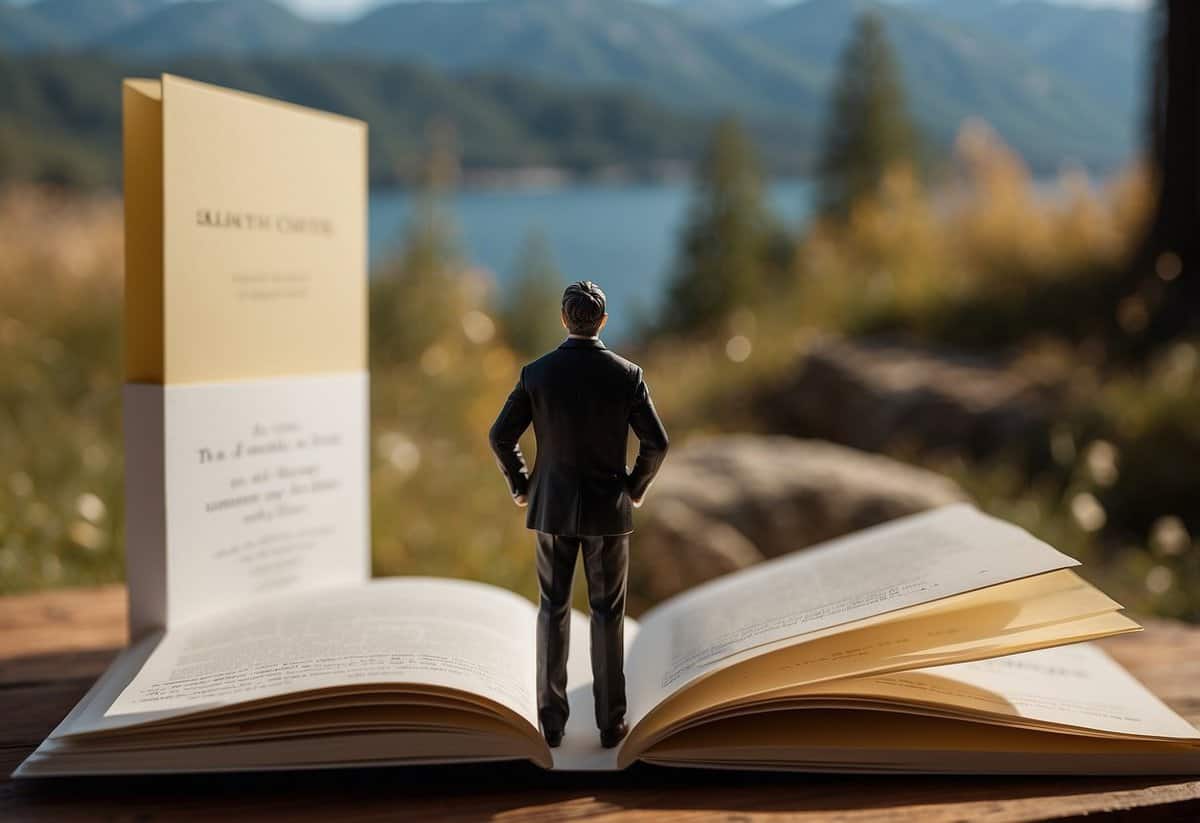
{"x":582,"y":400}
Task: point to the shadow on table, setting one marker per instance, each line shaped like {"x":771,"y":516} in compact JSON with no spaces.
{"x":474,"y":791}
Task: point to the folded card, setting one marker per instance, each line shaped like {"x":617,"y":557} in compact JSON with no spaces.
{"x":245,"y":349}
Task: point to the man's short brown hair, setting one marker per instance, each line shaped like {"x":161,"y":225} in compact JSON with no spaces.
{"x":583,"y":307}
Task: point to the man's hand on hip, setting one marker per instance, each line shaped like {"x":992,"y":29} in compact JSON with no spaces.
{"x":521,"y":500}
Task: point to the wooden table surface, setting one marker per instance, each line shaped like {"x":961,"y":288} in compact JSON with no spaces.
{"x":53,"y":645}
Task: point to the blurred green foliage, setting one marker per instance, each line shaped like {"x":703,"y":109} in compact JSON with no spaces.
{"x":416,"y":296}
{"x":724,"y":258}
{"x":531,"y":308}
{"x":60,"y":390}
{"x":1026,"y":274}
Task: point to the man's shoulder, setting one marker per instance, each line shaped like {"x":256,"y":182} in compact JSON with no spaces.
{"x":541,"y":362}
{"x":605,"y":358}
{"x":633,"y":369}
{"x":546,"y":363}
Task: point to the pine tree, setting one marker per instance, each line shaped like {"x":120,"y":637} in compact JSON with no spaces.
{"x":418,"y":297}
{"x":868,"y":130}
{"x":532,"y":307}
{"x":724,"y":244}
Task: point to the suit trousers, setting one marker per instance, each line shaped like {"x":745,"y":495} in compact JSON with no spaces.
{"x":606,"y":567}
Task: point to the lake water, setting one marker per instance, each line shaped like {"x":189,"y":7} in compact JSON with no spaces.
{"x":622,"y":237}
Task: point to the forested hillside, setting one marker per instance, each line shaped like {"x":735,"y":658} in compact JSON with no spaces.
{"x":60,"y":117}
{"x":1058,"y":84}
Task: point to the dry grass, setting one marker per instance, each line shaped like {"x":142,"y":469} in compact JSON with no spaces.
{"x":969,"y":260}
{"x":60,"y":458}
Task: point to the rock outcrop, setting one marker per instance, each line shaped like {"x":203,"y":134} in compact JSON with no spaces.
{"x":881,"y":396}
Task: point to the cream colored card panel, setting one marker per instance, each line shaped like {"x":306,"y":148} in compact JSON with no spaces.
{"x":264,"y":237}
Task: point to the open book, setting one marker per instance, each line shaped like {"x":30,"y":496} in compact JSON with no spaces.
{"x":259,"y":641}
{"x":932,"y":644}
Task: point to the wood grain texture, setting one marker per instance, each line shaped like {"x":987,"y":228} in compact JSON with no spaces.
{"x":53,"y":645}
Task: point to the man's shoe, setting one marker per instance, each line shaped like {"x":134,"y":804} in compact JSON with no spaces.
{"x":553,"y":737}
{"x":612,"y":736}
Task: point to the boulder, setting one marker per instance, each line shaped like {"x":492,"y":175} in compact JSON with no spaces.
{"x":723,"y":503}
{"x":880,"y":396}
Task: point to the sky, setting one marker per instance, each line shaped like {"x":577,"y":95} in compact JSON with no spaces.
{"x":345,"y":9}
{"x":341,"y":9}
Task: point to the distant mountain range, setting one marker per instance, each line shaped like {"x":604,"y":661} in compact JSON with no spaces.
{"x":1101,"y":50}
{"x":60,"y":118}
{"x":1060,"y":83}
{"x":951,"y":75}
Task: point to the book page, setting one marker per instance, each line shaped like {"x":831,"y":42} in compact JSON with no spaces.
{"x":420,"y":632}
{"x":984,"y":626}
{"x":974,"y":620}
{"x":907,"y":562}
{"x":1076,"y":686}
{"x":850,"y":740}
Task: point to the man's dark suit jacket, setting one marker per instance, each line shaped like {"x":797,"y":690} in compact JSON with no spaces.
{"x":582,"y":400}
